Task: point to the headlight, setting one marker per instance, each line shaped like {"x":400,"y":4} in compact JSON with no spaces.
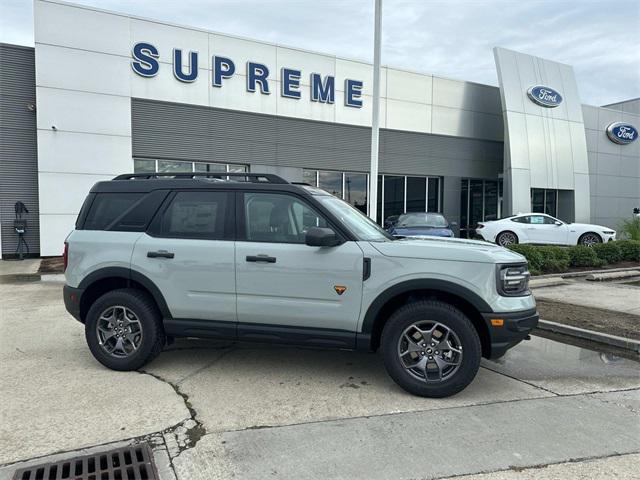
{"x":513,"y":280}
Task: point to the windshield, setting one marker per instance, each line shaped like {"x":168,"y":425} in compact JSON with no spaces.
{"x":434,"y":220}
{"x":359,"y":224}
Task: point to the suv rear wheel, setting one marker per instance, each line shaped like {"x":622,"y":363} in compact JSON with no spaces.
{"x":124,"y":330}
{"x":431,"y":349}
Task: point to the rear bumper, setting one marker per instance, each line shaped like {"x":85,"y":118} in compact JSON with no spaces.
{"x":72,"y":297}
{"x":515,"y":328}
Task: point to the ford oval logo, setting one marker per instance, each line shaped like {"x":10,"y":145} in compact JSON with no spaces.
{"x":544,"y":96}
{"x":622,"y":133}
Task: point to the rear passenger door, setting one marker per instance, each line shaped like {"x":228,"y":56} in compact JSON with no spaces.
{"x":188,"y":252}
{"x":282,"y":282}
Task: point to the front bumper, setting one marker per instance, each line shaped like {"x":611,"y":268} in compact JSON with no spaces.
{"x":72,"y":297}
{"x":515,"y":327}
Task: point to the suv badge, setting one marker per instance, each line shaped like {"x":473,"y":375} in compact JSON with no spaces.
{"x":340,"y":289}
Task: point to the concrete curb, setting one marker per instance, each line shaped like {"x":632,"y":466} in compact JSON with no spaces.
{"x":587,"y":272}
{"x":601,"y":277}
{"x":604,"y":338}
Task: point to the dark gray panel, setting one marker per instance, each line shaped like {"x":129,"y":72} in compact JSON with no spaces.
{"x":18,"y":144}
{"x":179,"y":131}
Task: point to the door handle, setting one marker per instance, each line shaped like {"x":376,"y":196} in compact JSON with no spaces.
{"x":160,"y":254}
{"x":261,"y":258}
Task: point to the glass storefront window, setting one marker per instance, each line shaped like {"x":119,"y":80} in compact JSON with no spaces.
{"x":537,"y":200}
{"x":144,"y":166}
{"x":210,"y":167}
{"x":170,"y":166}
{"x":355,"y":190}
{"x":331,"y":182}
{"x":393,"y":195}
{"x":310,"y":177}
{"x":433,"y":203}
{"x":490,"y":200}
{"x":416,"y":194}
{"x":550,"y":203}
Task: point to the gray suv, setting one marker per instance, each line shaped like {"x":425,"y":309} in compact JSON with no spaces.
{"x":251,"y":257}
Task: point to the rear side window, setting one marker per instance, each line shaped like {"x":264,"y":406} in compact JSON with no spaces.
{"x":197,"y":215}
{"x":107,"y":207}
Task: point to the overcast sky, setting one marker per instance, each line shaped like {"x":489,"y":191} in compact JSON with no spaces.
{"x":453,"y":39}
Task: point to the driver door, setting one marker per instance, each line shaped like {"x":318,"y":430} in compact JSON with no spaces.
{"x":543,"y":229}
{"x":281,"y":281}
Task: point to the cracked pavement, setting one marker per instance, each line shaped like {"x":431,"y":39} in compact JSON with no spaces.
{"x":216,"y":410}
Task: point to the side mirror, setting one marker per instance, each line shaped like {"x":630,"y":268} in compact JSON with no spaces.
{"x":321,"y":237}
{"x":454,"y":224}
{"x":558,"y":223}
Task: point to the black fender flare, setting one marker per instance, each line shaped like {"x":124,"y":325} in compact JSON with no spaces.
{"x":421,"y":284}
{"x":129,"y":275}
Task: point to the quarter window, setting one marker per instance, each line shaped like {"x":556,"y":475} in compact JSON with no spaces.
{"x":278,"y":218}
{"x":106,"y":207}
{"x":196,"y":215}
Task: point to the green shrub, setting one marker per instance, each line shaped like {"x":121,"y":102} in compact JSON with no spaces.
{"x":555,"y":259}
{"x":581,"y":256}
{"x":533,"y":256}
{"x":629,"y":250}
{"x":630,"y":229}
{"x":608,"y":252}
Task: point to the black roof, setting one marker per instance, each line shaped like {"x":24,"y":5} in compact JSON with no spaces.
{"x":147,"y":182}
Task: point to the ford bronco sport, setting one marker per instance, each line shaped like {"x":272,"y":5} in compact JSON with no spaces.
{"x":251,"y":257}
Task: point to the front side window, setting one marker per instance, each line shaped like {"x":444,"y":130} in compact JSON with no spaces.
{"x":273,"y":217}
{"x":536,"y":220}
{"x":196,"y":215}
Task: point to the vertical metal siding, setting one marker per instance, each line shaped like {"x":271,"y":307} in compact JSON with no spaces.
{"x":18,"y":144}
{"x":189,"y":132}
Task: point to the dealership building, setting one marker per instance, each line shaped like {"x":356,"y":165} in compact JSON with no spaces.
{"x":106,"y":93}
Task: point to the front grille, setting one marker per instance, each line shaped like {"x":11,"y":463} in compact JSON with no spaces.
{"x":129,"y":463}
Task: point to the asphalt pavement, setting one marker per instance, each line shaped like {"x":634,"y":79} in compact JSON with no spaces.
{"x":215,"y":410}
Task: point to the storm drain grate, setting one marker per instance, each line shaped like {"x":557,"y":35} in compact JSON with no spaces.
{"x":129,"y":463}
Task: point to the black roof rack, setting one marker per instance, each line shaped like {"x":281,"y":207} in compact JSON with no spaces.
{"x":250,"y":177}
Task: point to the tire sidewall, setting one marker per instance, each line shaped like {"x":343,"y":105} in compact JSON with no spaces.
{"x":451,"y":318}
{"x":148,"y":316}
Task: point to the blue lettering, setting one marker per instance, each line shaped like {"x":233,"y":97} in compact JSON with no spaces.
{"x":145,"y":58}
{"x":290,"y":81}
{"x":222,"y":68}
{"x":177,"y":66}
{"x":323,"y":92}
{"x":257,"y":73}
{"x":353,"y":93}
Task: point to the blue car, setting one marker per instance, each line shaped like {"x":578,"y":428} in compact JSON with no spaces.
{"x":419,"y":224}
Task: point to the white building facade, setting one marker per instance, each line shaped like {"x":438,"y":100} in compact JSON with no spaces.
{"x":116,"y":94}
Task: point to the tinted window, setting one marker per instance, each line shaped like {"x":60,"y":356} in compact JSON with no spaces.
{"x":434,"y":220}
{"x":196,"y":215}
{"x":520,"y":219}
{"x":278,"y":218}
{"x":106,"y":207}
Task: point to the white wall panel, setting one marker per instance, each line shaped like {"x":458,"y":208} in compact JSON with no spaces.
{"x":72,"y":152}
{"x":71,"y":69}
{"x":410,"y":116}
{"x":305,"y":108}
{"x":68,"y":189}
{"x":54,"y":229}
{"x":307,"y":62}
{"x":83,"y":112}
{"x":167,"y":37}
{"x":165,"y":87}
{"x":83,"y":28}
{"x":233,"y":95}
{"x":359,"y":116}
{"x":242,"y":51}
{"x":452,"y":121}
{"x":360,"y":71}
{"x":408,"y":86}
{"x":579,"y":148}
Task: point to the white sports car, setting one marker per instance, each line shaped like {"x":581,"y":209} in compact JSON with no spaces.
{"x":543,"y":229}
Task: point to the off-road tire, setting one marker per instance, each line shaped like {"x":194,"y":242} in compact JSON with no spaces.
{"x":452,"y":318}
{"x":153,"y":337}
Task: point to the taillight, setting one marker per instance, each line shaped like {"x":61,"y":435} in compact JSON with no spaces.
{"x":65,"y":256}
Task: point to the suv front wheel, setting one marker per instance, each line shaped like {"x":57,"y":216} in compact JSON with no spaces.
{"x":124,"y":330}
{"x":431,"y":349}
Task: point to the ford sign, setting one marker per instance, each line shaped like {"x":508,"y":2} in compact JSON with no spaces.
{"x":622,"y":133}
{"x":544,"y":96}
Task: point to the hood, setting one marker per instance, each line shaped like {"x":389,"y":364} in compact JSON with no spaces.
{"x":430,"y":231}
{"x":454,"y":249}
